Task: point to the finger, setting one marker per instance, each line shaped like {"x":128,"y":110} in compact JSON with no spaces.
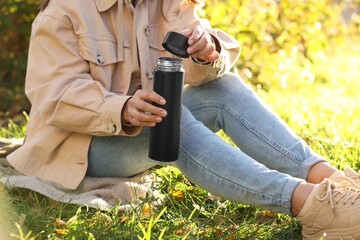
{"x":138,"y":118}
{"x":146,"y":118}
{"x":196,"y":34}
{"x":203,"y":51}
{"x":151,"y":96}
{"x":148,"y":107}
{"x":211,"y":57}
{"x":203,"y":42}
{"x":138,"y":123}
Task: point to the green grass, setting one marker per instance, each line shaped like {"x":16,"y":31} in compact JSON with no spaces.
{"x":187,"y":212}
{"x":13,"y":129}
{"x":323,"y":111}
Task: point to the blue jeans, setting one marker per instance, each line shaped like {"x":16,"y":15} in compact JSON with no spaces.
{"x":271,"y":162}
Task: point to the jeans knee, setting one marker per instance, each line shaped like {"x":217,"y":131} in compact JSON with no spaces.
{"x":233,"y":84}
{"x":226,"y":89}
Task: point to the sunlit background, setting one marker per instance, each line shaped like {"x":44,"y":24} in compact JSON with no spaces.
{"x":302,"y":57}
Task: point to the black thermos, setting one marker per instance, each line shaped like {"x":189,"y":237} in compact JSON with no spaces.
{"x":165,"y":136}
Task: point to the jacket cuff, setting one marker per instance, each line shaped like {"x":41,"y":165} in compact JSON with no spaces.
{"x":111,"y":117}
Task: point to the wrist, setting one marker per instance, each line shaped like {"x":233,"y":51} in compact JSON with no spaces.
{"x":125,"y":124}
{"x":124,"y":116}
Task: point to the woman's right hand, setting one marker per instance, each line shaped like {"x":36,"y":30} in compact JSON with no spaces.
{"x":136,"y":110}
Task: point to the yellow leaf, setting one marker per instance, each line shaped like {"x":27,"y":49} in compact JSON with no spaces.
{"x":147,"y":210}
{"x":59,"y":222}
{"x":178,"y":232}
{"x":269,"y":214}
{"x":177,"y":195}
{"x":61,"y":231}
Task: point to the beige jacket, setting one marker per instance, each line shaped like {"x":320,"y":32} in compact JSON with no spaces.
{"x":79,"y":74}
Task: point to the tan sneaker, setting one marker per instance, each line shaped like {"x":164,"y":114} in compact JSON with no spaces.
{"x":332,"y":211}
{"x":349,"y":173}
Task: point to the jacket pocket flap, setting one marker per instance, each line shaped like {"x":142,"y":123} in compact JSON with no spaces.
{"x":100,"y":52}
{"x":156,"y":36}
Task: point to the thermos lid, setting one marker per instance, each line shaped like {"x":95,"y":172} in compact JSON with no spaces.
{"x":176,"y":44}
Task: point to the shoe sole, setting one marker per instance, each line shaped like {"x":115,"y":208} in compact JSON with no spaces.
{"x":352,"y":233}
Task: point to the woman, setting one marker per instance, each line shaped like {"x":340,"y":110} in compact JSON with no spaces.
{"x":89,"y":80}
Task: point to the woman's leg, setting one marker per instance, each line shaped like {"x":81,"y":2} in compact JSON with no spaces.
{"x":119,"y":156}
{"x":219,"y":168}
{"x":222,"y":169}
{"x":228,"y":104}
{"x":205,"y":159}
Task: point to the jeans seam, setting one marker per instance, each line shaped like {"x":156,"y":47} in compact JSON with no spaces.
{"x":246,"y":124}
{"x":236,"y":184}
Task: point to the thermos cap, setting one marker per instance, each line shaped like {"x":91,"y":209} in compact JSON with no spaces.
{"x":176,"y":44}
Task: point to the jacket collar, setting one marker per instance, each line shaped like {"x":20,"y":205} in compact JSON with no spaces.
{"x":103,"y":5}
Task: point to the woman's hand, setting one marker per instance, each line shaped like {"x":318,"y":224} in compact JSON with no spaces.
{"x":201,"y":44}
{"x":136,"y":110}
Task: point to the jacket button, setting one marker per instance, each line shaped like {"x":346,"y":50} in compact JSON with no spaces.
{"x":147,"y":30}
{"x":218,"y":63}
{"x":100,"y":59}
{"x":112,"y":128}
{"x":150,"y":75}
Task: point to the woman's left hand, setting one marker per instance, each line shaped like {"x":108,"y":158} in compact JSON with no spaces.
{"x":201,"y":45}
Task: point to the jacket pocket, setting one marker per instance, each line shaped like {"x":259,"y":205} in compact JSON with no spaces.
{"x":99,"y":52}
{"x":156,"y":35}
{"x":103,"y":60}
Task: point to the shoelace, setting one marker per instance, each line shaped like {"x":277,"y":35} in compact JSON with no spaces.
{"x":356,"y":179}
{"x":347,"y":190}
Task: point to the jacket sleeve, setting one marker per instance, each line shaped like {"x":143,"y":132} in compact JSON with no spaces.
{"x":60,"y":87}
{"x":229,"y":49}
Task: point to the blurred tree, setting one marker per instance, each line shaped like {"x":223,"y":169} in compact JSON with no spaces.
{"x":272,"y":34}
{"x":16,"y":17}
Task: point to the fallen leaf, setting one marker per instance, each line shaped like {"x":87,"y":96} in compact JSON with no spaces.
{"x":60,"y":222}
{"x":269,"y":214}
{"x":177,"y":195}
{"x":178,"y":232}
{"x":147,"y":210}
{"x":61,"y":231}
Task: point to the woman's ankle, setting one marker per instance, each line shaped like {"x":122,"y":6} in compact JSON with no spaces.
{"x":319,"y":171}
{"x":299,"y":197}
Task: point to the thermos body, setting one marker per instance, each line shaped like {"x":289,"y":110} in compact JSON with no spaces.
{"x":165,"y":136}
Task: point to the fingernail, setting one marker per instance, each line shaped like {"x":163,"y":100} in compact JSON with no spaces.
{"x":162,"y":101}
{"x":190,"y":50}
{"x":163,"y":113}
{"x":158,"y":119}
{"x":191,"y":41}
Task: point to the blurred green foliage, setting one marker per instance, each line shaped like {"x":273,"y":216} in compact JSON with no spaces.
{"x":16,"y":17}
{"x":275,"y":34}
{"x":272,"y":35}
